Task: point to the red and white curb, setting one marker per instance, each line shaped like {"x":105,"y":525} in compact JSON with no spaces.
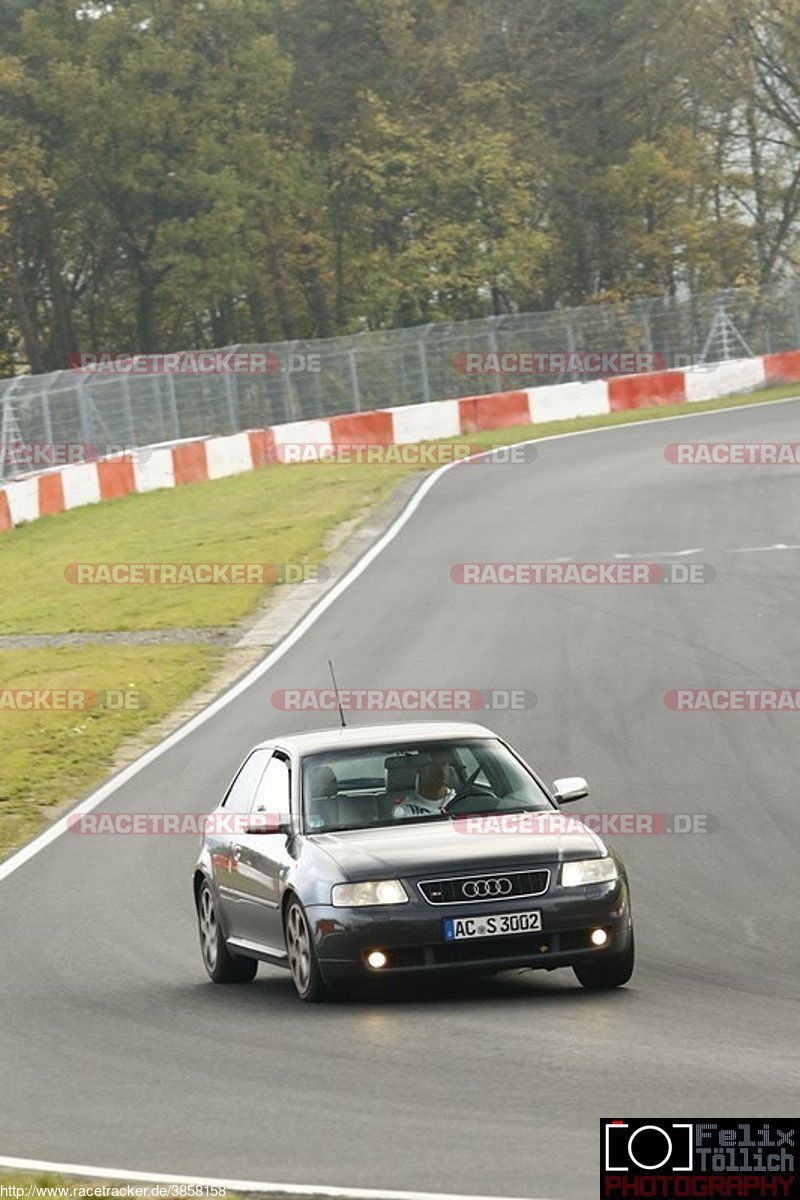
{"x":166,"y":466}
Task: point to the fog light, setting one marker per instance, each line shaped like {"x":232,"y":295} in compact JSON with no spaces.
{"x":377,"y":959}
{"x":599,"y":937}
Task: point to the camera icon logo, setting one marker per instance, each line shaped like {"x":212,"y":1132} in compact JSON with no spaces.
{"x":648,"y":1146}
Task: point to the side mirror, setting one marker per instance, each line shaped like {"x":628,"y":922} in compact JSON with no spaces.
{"x":572,"y":788}
{"x":263,"y":822}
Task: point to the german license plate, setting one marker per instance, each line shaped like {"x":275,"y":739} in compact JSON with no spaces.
{"x":494,"y":925}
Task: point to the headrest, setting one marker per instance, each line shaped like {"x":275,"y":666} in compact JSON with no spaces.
{"x":401,"y":771}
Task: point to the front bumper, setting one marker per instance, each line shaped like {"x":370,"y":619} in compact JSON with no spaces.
{"x":413,"y":939}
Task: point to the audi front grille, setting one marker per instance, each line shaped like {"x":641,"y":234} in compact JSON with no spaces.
{"x":480,"y":889}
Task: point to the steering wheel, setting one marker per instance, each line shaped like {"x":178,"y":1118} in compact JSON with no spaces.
{"x":468,"y":790}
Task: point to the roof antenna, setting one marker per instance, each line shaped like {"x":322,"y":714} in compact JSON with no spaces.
{"x":338,"y":697}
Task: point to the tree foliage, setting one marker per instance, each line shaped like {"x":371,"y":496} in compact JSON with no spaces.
{"x":201,"y":173}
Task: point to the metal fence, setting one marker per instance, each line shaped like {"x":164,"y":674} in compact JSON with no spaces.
{"x":381,"y":369}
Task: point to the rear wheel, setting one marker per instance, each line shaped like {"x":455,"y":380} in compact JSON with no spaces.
{"x":220,"y":964}
{"x":606,"y":973}
{"x":303,"y":962}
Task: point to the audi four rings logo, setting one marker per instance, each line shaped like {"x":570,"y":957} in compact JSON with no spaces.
{"x":479,"y":889}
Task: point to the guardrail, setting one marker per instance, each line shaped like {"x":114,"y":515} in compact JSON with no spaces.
{"x":377,"y":370}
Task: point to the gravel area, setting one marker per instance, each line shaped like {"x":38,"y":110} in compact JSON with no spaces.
{"x":141,"y":637}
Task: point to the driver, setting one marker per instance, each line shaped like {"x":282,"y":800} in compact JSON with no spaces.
{"x":432,"y":790}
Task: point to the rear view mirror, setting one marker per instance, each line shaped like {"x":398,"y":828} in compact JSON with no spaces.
{"x":572,"y":788}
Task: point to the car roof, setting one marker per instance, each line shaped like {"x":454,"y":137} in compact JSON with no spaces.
{"x":363,"y":736}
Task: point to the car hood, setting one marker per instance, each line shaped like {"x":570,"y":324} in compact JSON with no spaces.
{"x":445,"y":846}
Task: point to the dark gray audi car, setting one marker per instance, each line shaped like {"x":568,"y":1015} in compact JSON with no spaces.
{"x":351,"y":854}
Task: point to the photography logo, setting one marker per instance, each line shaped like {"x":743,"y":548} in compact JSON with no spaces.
{"x":714,"y":1156}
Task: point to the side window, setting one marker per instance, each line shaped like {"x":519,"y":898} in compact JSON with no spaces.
{"x":272,"y":795}
{"x":240,"y":796}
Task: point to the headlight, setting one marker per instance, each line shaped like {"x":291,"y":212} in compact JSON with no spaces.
{"x":358,"y":895}
{"x":588,"y":870}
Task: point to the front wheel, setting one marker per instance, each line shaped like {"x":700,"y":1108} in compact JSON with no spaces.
{"x":220,"y":964}
{"x":607,"y":973}
{"x":303,"y":962}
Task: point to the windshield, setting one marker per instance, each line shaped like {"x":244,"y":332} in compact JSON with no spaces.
{"x":425,"y":781}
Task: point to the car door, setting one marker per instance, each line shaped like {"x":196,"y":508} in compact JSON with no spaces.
{"x":222,"y":836}
{"x":263,"y":859}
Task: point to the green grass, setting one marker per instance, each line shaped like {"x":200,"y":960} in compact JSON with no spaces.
{"x":280,"y":514}
{"x":47,"y":756}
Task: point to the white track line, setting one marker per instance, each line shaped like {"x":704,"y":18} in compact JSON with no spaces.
{"x":662,"y":553}
{"x":763,"y":549}
{"x":233,"y":1185}
{"x":90,"y":802}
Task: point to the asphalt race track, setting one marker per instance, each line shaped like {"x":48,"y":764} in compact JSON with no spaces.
{"x":117,"y":1052}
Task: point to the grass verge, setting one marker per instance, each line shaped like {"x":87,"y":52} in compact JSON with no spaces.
{"x":47,"y":756}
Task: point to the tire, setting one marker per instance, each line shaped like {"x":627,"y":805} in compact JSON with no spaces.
{"x":221,"y":965}
{"x":608,"y":972}
{"x":303,"y":962}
